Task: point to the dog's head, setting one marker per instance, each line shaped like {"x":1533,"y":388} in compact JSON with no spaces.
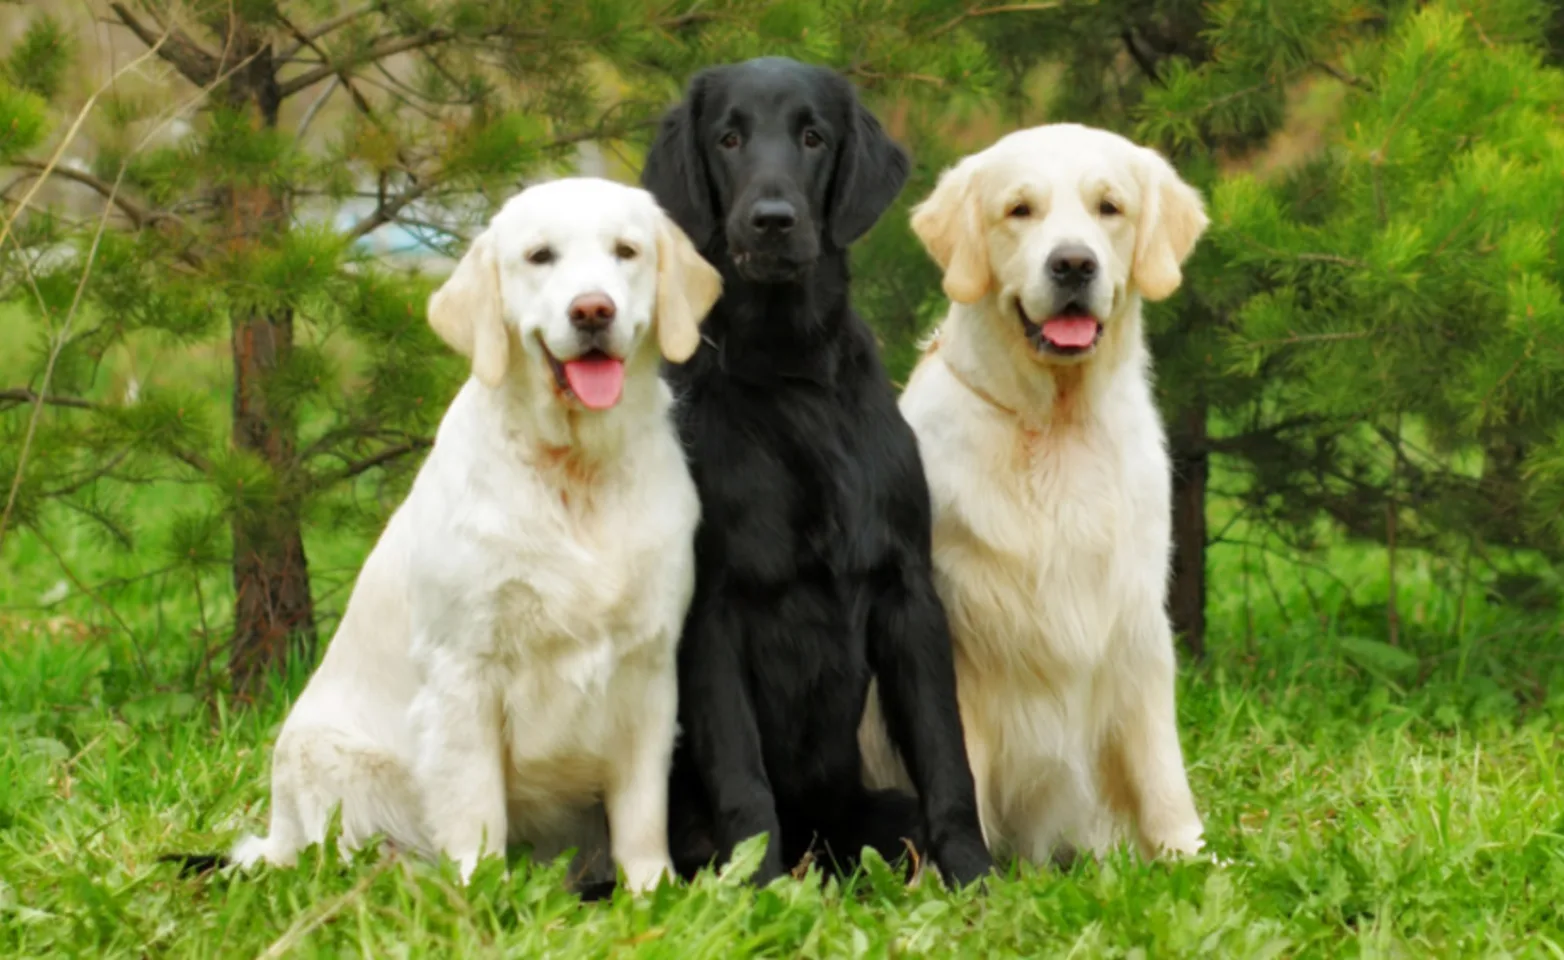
{"x":1063,"y":226}
{"x":777,"y":159}
{"x":569,"y":278}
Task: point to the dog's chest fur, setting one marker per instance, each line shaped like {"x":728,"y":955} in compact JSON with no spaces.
{"x":797,"y":502}
{"x":578,"y":602}
{"x":1030,"y":523}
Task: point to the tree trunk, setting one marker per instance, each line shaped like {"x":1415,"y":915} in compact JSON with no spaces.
{"x":1191,"y":464}
{"x":272,"y":605}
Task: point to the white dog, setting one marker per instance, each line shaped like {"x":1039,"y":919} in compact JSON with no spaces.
{"x":505,"y":669}
{"x":1051,"y":487}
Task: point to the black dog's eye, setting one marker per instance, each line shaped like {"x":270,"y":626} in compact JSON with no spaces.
{"x":1108,"y":208}
{"x":813,"y":140}
{"x":1020,"y":211}
{"x":540,"y":257}
{"x":625,"y":251}
{"x":729,"y":141}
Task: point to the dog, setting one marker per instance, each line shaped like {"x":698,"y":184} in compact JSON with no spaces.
{"x":505,"y":668}
{"x":812,"y":558}
{"x":1051,"y":484}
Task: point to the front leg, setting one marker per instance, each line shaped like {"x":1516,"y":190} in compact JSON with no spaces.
{"x":910,"y":651}
{"x":637,"y":795}
{"x":1144,"y":751}
{"x":722,"y":736}
{"x":461,"y":763}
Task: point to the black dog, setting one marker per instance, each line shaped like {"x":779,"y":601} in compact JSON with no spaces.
{"x":813,"y":569}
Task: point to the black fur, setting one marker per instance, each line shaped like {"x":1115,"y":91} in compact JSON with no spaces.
{"x":813,"y":568}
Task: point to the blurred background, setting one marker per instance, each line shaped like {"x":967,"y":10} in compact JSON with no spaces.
{"x":222,"y":220}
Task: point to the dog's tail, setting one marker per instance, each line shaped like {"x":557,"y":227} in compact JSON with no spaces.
{"x":196,"y":864}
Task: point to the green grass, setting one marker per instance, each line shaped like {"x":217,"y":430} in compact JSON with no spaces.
{"x":1367,"y":800}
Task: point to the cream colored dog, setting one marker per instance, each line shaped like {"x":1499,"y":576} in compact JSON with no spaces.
{"x":505,"y":667}
{"x":1051,"y":486}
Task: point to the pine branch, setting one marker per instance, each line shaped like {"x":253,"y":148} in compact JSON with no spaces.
{"x":379,"y":50}
{"x":174,"y":46}
{"x":314,"y":108}
{"x":1238,"y":443}
{"x":390,"y":45}
{"x":88,"y":478}
{"x":1344,"y":76}
{"x":972,"y":13}
{"x":24,"y":395}
{"x":323,"y":28}
{"x":1312,"y":338}
{"x":139,"y":215}
{"x":342,"y":77}
{"x":378,"y":460}
{"x":389,"y":207}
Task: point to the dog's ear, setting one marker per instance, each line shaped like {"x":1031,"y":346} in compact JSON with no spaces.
{"x":687,"y":289}
{"x":1172,"y":218}
{"x":871,"y":169}
{"x":467,"y":313}
{"x":949,"y":223}
{"x":675,"y":169}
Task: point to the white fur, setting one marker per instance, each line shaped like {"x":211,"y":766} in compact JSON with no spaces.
{"x":1051,"y":489}
{"x":505,"y":667}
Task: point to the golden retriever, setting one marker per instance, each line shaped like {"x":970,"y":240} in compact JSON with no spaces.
{"x":1050,"y":478}
{"x":505,"y":669}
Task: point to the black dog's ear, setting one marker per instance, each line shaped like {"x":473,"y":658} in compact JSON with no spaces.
{"x":675,"y":170}
{"x":870,"y":171}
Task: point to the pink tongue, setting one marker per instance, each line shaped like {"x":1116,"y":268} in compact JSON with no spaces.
{"x":1070,"y":331}
{"x":597,"y":380}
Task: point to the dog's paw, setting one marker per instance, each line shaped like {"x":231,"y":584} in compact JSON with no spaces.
{"x":1184,"y":841}
{"x":644,"y":876}
{"x":961,"y":864}
{"x":252,"y":850}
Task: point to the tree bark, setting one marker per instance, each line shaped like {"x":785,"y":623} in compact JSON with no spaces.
{"x":274,"y":615}
{"x":1191,"y":467}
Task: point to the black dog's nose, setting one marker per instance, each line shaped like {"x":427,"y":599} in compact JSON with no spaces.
{"x":773,"y":216}
{"x":1072,"y":265}
{"x":591,"y":312}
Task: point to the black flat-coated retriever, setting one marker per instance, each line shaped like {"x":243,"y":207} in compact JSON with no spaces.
{"x":813,"y":569}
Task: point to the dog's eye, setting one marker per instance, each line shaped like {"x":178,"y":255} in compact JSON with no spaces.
{"x":1108,"y":208}
{"x":729,"y":141}
{"x":813,"y":140}
{"x":540,"y":257}
{"x":625,"y":251}
{"x":1020,"y":211}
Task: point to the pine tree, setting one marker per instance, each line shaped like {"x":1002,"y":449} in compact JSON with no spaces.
{"x":1402,"y":295}
{"x":331,"y":384}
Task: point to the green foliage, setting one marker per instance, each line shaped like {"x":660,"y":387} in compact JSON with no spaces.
{"x":1412,"y":275}
{"x":22,"y":120}
{"x":39,"y":60}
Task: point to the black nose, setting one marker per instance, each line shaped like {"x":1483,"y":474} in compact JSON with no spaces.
{"x":1072,"y":265}
{"x":591,"y":312}
{"x":772,"y":216}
